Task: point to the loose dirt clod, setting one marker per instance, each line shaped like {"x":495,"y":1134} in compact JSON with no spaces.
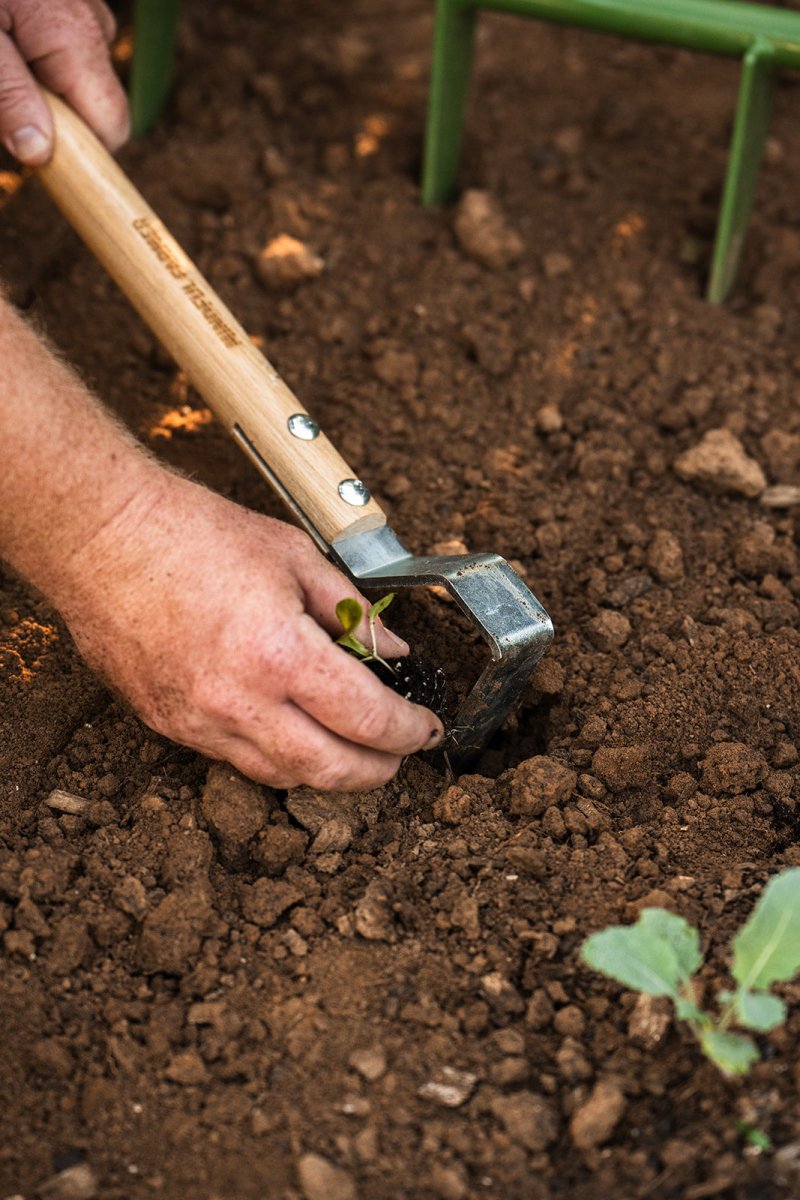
{"x":74,"y":1183}
{"x":596,"y":1119}
{"x":665,"y":557}
{"x":235,"y":810}
{"x":623,"y":766}
{"x":528,"y":1118}
{"x":321,"y":1180}
{"x":539,"y":783}
{"x":277,"y":847}
{"x":264,"y":901}
{"x":732,"y":767}
{"x":172,"y":932}
{"x":721,"y":462}
{"x":483,"y":231}
{"x":285,"y":263}
{"x":649,"y":1021}
{"x":609,"y":630}
{"x":370,"y":1062}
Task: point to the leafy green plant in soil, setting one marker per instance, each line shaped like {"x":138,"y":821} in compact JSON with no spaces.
{"x":412,"y":676}
{"x":660,"y":955}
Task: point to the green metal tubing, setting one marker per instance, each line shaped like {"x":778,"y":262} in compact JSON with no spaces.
{"x":155,"y":26}
{"x":718,"y":26}
{"x":452,"y":56}
{"x":753,"y":111}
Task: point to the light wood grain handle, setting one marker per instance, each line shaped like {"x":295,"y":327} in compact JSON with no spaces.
{"x":205,"y":339}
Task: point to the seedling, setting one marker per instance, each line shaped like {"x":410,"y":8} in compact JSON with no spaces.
{"x":412,"y":677}
{"x":660,"y":955}
{"x":754,"y":1136}
{"x":351,"y":614}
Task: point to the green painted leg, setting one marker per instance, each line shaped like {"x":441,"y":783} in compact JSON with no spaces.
{"x":452,"y":60}
{"x":753,"y":111}
{"x":155,"y":25}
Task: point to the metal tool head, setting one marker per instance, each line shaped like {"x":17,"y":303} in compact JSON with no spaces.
{"x":491,"y":594}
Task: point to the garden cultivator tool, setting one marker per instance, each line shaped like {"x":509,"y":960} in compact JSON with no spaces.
{"x":280,"y":438}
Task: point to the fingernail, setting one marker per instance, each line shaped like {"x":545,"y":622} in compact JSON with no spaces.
{"x":28,"y":143}
{"x":397,"y":643}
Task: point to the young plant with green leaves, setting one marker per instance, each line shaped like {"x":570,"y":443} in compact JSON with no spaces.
{"x":660,"y":955}
{"x":350,"y":614}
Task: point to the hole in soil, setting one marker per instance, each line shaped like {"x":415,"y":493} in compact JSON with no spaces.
{"x":787,"y":824}
{"x":524,"y":735}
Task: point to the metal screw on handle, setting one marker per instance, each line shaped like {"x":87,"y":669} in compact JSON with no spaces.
{"x":302,"y":426}
{"x":354,"y":492}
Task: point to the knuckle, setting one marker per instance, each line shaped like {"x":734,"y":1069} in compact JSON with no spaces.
{"x":108,"y":19}
{"x":15,"y":92}
{"x":81,"y":25}
{"x":373,"y":724}
{"x":299,"y":546}
{"x":331,"y":776}
{"x":206,"y":696}
{"x":277,"y":652}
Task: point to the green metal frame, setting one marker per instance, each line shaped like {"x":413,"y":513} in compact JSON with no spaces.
{"x":765,"y":38}
{"x":155,"y":26}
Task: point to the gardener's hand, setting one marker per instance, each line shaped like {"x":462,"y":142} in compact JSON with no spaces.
{"x":65,"y":45}
{"x":211,"y":620}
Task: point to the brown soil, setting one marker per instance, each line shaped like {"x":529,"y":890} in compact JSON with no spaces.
{"x":204,"y":983}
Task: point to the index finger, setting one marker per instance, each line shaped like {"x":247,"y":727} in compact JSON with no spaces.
{"x":344,"y":696}
{"x":68,"y":52}
{"x":105,"y":18}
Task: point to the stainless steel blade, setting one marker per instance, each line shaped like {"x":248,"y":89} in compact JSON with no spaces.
{"x":486,"y":588}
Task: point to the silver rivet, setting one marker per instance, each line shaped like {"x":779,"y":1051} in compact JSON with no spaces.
{"x":302,"y":426}
{"x":354,"y":492}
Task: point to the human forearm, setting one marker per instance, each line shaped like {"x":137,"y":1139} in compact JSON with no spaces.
{"x":69,"y":468}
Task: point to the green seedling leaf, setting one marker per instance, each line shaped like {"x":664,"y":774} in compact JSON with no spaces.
{"x":350,"y":614}
{"x":634,"y":956}
{"x":758,"y":1010}
{"x":352,"y":643}
{"x":767,"y":949}
{"x":733,"y":1053}
{"x":378,"y":607}
{"x":681,"y":936}
{"x":754,"y":1136}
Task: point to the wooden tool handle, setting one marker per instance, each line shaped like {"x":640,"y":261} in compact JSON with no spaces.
{"x":236,"y":380}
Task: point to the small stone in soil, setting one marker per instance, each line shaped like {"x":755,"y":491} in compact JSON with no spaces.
{"x":76,"y":1183}
{"x":449,"y":1087}
{"x":322,"y":1180}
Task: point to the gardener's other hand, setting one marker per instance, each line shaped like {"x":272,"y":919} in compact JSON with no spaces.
{"x":65,"y":44}
{"x":212,"y":621}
